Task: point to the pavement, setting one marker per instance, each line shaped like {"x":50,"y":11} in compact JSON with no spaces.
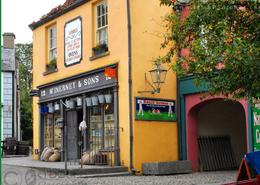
{"x":74,"y":168}
{"x":14,"y":175}
{"x":26,"y":171}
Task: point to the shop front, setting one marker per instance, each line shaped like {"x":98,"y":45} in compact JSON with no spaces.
{"x":91,"y":99}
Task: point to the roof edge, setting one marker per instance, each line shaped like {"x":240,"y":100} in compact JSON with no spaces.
{"x":39,"y":23}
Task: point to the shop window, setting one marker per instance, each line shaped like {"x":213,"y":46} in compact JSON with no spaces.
{"x":52,"y":48}
{"x":48,"y":130}
{"x":101,"y":32}
{"x":102,"y":132}
{"x":57,"y":132}
{"x":109,"y":126}
{"x":96,"y":128}
{"x":52,"y":130}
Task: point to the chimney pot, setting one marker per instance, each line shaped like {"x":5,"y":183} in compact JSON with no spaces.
{"x":8,"y":40}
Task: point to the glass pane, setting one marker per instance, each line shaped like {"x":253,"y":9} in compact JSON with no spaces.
{"x":103,"y":20}
{"x":55,"y":53}
{"x":54,"y":32}
{"x":51,"y":33}
{"x":98,"y":10}
{"x":57,"y":132}
{"x":106,"y":20}
{"x":96,"y":130}
{"x":109,"y":126}
{"x":54,"y":42}
{"x":99,"y":22}
{"x":99,"y":36}
{"x":51,"y":43}
{"x":48,"y":130}
{"x":103,"y":9}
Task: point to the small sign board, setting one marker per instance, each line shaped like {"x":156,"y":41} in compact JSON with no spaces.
{"x":256,"y":126}
{"x":73,"y":42}
{"x":150,"y":109}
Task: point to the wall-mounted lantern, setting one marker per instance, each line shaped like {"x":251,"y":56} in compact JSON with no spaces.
{"x":180,"y":4}
{"x":158,"y":75}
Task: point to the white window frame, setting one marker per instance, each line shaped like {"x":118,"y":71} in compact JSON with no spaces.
{"x":102,"y":27}
{"x":52,"y":38}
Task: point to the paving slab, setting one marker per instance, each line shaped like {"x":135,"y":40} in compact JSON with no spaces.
{"x":74,"y":168}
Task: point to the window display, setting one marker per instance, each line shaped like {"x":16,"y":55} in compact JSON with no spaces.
{"x":52,"y":130}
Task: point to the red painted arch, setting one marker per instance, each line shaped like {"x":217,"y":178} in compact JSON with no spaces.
{"x":192,"y":104}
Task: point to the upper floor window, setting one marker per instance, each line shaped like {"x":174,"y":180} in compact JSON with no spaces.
{"x":52,"y":32}
{"x":101,"y":23}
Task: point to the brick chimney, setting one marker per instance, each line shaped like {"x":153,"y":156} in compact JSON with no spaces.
{"x":8,"y":40}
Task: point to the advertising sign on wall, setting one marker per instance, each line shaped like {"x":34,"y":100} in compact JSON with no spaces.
{"x":81,"y":84}
{"x":148,"y":109}
{"x":73,"y":42}
{"x":256,"y":126}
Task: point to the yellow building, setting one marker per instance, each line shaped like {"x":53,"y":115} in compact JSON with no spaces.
{"x":89,"y":63}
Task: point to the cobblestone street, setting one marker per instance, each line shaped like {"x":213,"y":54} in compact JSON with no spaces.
{"x":26,"y":176}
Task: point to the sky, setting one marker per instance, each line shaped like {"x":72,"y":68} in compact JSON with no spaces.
{"x":18,"y":14}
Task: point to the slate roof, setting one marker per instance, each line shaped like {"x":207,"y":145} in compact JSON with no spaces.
{"x":56,"y":12}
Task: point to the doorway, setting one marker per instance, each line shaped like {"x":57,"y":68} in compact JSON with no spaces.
{"x":215,"y":128}
{"x":74,"y":117}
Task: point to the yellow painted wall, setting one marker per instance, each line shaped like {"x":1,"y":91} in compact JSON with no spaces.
{"x":153,"y":141}
{"x":117,"y":43}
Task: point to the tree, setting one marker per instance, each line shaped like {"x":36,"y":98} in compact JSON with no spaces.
{"x":23,"y":55}
{"x":222,"y":38}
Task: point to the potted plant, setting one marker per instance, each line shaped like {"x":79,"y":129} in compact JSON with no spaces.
{"x":52,"y":65}
{"x":100,"y":48}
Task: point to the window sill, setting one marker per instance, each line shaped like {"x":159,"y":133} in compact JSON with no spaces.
{"x":50,"y":71}
{"x":94,"y":57}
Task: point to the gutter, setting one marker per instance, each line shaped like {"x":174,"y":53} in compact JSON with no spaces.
{"x":130,"y":83}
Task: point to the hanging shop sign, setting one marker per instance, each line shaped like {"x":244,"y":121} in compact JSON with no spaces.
{"x":73,"y":42}
{"x":77,"y":85}
{"x":148,"y":109}
{"x":256,"y":126}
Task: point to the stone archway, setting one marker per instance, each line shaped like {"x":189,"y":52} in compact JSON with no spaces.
{"x":200,"y":111}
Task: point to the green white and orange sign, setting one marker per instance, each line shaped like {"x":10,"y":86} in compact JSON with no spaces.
{"x":256,"y":126}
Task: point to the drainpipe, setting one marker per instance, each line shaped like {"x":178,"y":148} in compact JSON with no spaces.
{"x":130,"y":83}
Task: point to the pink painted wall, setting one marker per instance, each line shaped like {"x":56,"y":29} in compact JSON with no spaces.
{"x":192,"y":101}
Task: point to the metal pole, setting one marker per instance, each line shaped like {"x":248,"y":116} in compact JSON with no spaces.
{"x":116,"y":129}
{"x":103,"y":126}
{"x":84,"y":108}
{"x":81,"y":147}
{"x":65,"y":148}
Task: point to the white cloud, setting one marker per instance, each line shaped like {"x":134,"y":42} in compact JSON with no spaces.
{"x":18,"y":14}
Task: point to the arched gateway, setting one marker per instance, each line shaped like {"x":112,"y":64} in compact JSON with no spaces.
{"x":214,"y":133}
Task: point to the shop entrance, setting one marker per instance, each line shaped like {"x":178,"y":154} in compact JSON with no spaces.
{"x":72,"y":139}
{"x":216,"y":133}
